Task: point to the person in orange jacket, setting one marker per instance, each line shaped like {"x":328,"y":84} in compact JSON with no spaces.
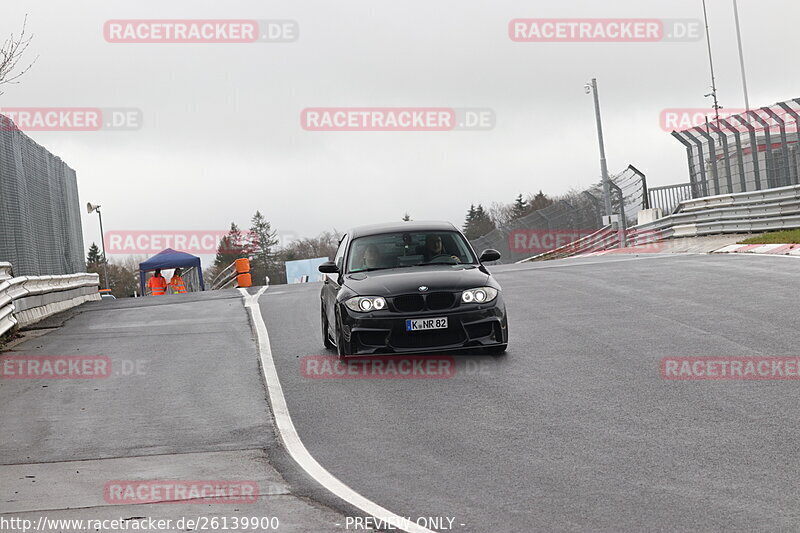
{"x":157,"y":284}
{"x":176,"y":283}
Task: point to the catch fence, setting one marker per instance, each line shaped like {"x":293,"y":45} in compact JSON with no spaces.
{"x":568,"y":219}
{"x":40,"y":223}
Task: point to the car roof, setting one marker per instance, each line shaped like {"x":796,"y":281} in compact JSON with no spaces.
{"x":391,"y":227}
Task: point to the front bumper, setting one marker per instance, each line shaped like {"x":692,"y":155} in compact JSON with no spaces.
{"x":382,"y":332}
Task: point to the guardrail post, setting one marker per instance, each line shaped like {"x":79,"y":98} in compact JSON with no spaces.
{"x":701,"y":159}
{"x":739,"y":155}
{"x":724,"y":139}
{"x":6,"y":272}
{"x":753,"y":149}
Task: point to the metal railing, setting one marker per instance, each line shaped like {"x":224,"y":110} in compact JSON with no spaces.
{"x":225,"y":278}
{"x":27,"y":299}
{"x":668,"y":197}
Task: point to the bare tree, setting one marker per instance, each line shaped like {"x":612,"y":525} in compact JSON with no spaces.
{"x":11,"y":53}
{"x":500,"y":213}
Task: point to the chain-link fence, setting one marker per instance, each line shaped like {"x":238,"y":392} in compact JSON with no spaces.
{"x":40,"y":224}
{"x":748,"y":151}
{"x":569,"y":218}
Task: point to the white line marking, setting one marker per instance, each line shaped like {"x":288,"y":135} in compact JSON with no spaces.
{"x":291,"y":440}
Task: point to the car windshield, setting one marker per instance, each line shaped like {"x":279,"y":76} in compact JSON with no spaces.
{"x":408,"y":249}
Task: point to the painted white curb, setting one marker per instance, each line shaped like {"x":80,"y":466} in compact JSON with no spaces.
{"x":291,"y":440}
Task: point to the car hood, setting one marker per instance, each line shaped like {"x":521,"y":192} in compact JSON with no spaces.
{"x":408,"y":280}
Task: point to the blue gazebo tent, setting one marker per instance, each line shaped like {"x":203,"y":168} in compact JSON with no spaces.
{"x":170,"y":258}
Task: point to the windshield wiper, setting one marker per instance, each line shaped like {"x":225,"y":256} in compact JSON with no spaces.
{"x":408,"y":266}
{"x":439,"y":263}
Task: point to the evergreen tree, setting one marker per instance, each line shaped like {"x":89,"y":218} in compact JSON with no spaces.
{"x":483,"y":222}
{"x":260,"y":247}
{"x":468,"y":222}
{"x":231,"y":247}
{"x":95,"y":257}
{"x":478,"y":222}
{"x":540,"y":201}
{"x":520,"y":208}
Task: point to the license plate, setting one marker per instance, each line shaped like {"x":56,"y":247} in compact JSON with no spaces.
{"x":422,"y":324}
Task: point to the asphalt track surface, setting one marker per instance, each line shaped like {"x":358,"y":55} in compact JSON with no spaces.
{"x":574,"y":429}
{"x":185,"y":401}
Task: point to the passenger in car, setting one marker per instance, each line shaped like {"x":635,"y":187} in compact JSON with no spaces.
{"x":370,"y":258}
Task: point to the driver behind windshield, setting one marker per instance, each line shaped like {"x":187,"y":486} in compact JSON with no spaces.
{"x":434,"y":248}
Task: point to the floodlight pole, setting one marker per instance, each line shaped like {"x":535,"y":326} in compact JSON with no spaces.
{"x":603,"y":164}
{"x":711,"y":64}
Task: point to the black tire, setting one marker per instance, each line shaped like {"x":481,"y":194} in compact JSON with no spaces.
{"x":342,"y":347}
{"x":326,"y":339}
{"x":499,"y":349}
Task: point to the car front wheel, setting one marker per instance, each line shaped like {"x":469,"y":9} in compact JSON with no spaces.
{"x":342,"y":346}
{"x":326,"y":337}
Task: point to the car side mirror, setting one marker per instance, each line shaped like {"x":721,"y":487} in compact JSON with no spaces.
{"x":329,"y":267}
{"x":490,"y":255}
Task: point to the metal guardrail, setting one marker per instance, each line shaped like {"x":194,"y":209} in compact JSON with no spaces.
{"x":746,"y":212}
{"x":225,"y":278}
{"x":63,"y":292}
{"x":5,"y":271}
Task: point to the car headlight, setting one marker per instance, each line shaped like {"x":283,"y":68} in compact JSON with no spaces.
{"x":365,"y":304}
{"x":480,"y":295}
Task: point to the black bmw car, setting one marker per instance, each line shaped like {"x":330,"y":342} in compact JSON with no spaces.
{"x":411,"y":287}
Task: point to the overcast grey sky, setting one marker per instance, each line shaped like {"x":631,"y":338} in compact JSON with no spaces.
{"x":222,"y":134}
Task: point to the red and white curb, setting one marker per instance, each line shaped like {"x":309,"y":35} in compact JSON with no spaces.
{"x":767,"y":249}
